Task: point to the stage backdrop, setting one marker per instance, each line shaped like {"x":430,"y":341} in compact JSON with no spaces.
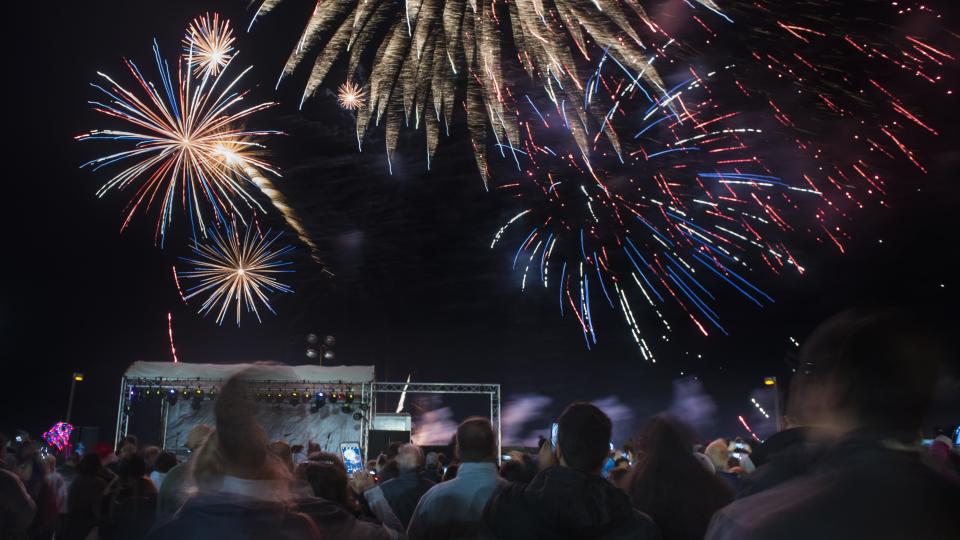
{"x":329,"y":426}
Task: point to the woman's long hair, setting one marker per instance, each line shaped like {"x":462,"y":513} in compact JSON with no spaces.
{"x":670,"y":485}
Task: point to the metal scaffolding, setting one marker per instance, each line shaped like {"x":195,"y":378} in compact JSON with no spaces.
{"x":492,"y":390}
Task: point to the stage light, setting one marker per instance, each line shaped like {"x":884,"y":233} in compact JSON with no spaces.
{"x":346,"y":408}
{"x":364,"y":407}
{"x":172,"y":395}
{"x":77,"y":376}
{"x":329,"y":341}
{"x":198,"y":393}
{"x":358,"y":416}
{"x":212,"y":394}
{"x":294,"y":398}
{"x":185,"y":392}
{"x":769,"y":381}
{"x":328,"y":355}
{"x":278,"y":397}
{"x":307,"y":395}
{"x":312,"y":353}
{"x":349,"y":396}
{"x":333,"y":396}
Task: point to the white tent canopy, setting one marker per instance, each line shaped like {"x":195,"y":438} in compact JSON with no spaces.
{"x":255,"y":372}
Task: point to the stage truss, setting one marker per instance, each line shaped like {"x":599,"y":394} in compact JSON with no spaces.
{"x":492,"y":390}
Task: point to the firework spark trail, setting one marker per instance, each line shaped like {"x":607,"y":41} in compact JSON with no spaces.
{"x":236,"y":271}
{"x":173,"y":349}
{"x":747,"y":427}
{"x":425,"y":52}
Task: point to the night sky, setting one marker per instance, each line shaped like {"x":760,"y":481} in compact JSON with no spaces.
{"x":417,"y":288}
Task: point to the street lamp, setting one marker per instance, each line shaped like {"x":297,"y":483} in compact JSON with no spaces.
{"x":772,"y":383}
{"x":77,"y":377}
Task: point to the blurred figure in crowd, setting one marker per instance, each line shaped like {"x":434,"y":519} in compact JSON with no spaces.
{"x":243,"y":489}
{"x":404,"y":492}
{"x":454,"y":509}
{"x":719,"y":453}
{"x":867,"y":378}
{"x":787,"y":454}
{"x":568,"y":498}
{"x":16,"y":506}
{"x":164,"y":462}
{"x":669,"y":483}
{"x":334,"y":508}
{"x":131,"y":506}
{"x":32,"y":469}
{"x":85,"y":499}
{"x":177,"y":484}
{"x":432,"y":470}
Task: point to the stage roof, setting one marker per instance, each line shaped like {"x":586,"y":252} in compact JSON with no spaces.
{"x":256,"y":372}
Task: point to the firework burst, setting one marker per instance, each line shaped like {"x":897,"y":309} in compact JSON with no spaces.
{"x":236,"y":271}
{"x":208,"y":45}
{"x":719,"y":177}
{"x":179,"y":133}
{"x":187,"y":141}
{"x":426,"y":52}
{"x":351,"y":96}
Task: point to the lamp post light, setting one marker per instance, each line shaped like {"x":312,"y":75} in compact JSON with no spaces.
{"x":77,"y":377}
{"x":772,"y":383}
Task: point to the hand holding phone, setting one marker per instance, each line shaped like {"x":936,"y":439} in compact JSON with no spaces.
{"x":352,"y":458}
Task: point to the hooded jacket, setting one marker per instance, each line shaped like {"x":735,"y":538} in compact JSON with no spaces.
{"x":563,"y":503}
{"x":226,"y":515}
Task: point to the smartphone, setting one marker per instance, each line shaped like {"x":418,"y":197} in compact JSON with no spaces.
{"x":553,"y":435}
{"x":352,"y":458}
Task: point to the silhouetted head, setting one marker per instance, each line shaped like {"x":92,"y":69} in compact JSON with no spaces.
{"x":866,"y":369}
{"x":476,"y":440}
{"x":583,"y":437}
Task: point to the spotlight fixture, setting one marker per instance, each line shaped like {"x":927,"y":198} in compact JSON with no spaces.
{"x":198,"y":393}
{"x":319,"y":401}
{"x":364,"y":407}
{"x":185,"y":393}
{"x":212,"y":394}
{"x":172,"y":396}
{"x":349,"y":397}
{"x":333,"y":396}
{"x":358,"y":416}
{"x":278,"y":397}
{"x":294,"y":398}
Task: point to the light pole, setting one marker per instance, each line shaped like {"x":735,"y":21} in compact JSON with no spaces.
{"x":772,"y":382}
{"x":325,"y":349}
{"x":77,"y":377}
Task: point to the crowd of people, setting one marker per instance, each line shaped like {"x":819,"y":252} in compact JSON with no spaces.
{"x":848,"y":465}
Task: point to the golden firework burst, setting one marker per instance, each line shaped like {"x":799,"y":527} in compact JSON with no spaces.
{"x":351,"y":96}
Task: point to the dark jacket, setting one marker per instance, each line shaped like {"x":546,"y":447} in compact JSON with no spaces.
{"x":131,"y":509}
{"x":16,"y":506}
{"x":563,"y":503}
{"x":334,"y":521}
{"x":404,"y":492}
{"x":786,"y":455}
{"x":84,"y":504}
{"x":867,"y":486}
{"x":234,"y":517}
